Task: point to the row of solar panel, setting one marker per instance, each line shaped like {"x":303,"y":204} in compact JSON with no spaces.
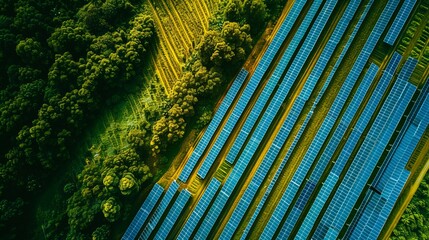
{"x":364,"y":118}
{"x":276,"y":176}
{"x":398,"y":24}
{"x":389,"y":195}
{"x":266,"y":93}
{"x":240,"y":167}
{"x":288,"y":225}
{"x":321,"y":93}
{"x":367,"y":157}
{"x":323,"y":132}
{"x":345,"y":49}
{"x":217,"y":118}
{"x":159,"y":211}
{"x":253,"y":82}
{"x":273,"y":108}
{"x":345,"y":121}
{"x":144,"y":211}
{"x":230,"y":124}
{"x":393,"y":178}
{"x":200,"y":209}
{"x":173,"y":215}
{"x":329,"y":151}
{"x":424,"y":91}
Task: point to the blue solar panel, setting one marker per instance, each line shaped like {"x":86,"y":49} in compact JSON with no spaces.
{"x":329,"y":151}
{"x":173,"y":215}
{"x":141,"y":216}
{"x":364,"y":162}
{"x":326,"y":189}
{"x":321,"y":93}
{"x":248,"y":152}
{"x":398,"y":24}
{"x":159,"y":211}
{"x":263,"y":125}
{"x":392,"y":178}
{"x":200,"y":209}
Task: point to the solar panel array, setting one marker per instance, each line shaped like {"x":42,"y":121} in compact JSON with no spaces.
{"x":308,"y":117}
{"x":284,"y":131}
{"x":328,"y":151}
{"x":250,"y":88}
{"x":367,"y":157}
{"x":159,"y":211}
{"x":213,"y":126}
{"x":344,"y":51}
{"x":267,"y":118}
{"x":336,"y":137}
{"x":347,"y":150}
{"x":398,"y":24}
{"x":144,"y":211}
{"x":173,"y":215}
{"x":200,"y":209}
{"x":375,"y":210}
{"x":328,"y":123}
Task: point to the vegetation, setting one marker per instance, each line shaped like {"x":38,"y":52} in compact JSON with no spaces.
{"x":69,"y":59}
{"x":415,"y":220}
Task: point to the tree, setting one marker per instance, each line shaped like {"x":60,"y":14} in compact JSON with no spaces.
{"x":30,"y":51}
{"x":71,"y":37}
{"x":65,"y":75}
{"x":111,"y":209}
{"x":233,"y":11}
{"x":255,"y":12}
{"x":101,"y":233}
{"x":128,"y":184}
{"x":204,"y":119}
{"x":110,"y":180}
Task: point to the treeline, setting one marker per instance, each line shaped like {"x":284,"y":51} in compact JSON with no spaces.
{"x":61,"y":62}
{"x":414,"y":223}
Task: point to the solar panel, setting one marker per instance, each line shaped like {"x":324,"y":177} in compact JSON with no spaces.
{"x":398,"y":24}
{"x":366,"y":158}
{"x":200,"y":209}
{"x":273,"y":107}
{"x":315,"y":210}
{"x":159,"y":211}
{"x":255,"y":79}
{"x":173,"y":215}
{"x":393,"y":177}
{"x":141,"y":216}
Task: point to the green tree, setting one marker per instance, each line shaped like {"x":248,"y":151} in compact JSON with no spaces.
{"x":111,"y":209}
{"x":101,"y":233}
{"x":30,"y":51}
{"x":128,"y":184}
{"x":71,"y":37}
{"x":255,"y":12}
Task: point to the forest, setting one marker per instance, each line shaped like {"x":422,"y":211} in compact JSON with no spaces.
{"x":63,"y":64}
{"x":414,"y":223}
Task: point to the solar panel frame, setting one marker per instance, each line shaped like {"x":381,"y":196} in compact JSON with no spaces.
{"x":173,"y":215}
{"x":159,"y":211}
{"x":144,"y":211}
